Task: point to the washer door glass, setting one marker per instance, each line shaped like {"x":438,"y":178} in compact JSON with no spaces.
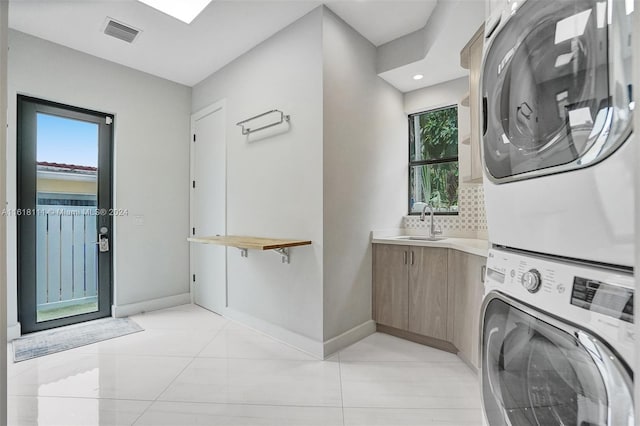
{"x":557,"y":87}
{"x":536,"y":374}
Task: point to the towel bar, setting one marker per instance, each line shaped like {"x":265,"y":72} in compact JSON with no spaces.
{"x":247,"y":130}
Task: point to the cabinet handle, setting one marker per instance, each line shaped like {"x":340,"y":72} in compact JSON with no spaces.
{"x":405,"y":257}
{"x":483,"y":270}
{"x":412,"y":257}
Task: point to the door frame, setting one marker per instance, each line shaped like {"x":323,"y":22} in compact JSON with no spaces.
{"x":201,"y":113}
{"x":26,"y":199}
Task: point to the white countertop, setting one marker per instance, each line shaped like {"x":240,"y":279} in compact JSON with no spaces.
{"x":467,"y":245}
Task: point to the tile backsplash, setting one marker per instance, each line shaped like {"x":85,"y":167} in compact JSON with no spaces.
{"x":471,"y":221}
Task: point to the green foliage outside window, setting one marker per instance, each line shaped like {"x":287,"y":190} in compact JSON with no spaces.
{"x":434,"y":171}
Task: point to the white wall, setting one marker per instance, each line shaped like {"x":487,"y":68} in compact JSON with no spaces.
{"x":365,"y":171}
{"x":274,"y":184}
{"x":4,"y":27}
{"x":151,"y":160}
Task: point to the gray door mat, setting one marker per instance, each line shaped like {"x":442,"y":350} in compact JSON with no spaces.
{"x":72,"y":336}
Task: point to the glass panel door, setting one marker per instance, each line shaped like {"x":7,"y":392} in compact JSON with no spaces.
{"x":66,"y":207}
{"x":64,"y":187}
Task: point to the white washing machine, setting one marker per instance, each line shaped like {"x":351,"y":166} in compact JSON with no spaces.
{"x":496,"y":10}
{"x":557,"y":343}
{"x":557,"y":138}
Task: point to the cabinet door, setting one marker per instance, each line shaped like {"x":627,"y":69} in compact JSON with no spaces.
{"x":465,"y":276}
{"x":390,"y":285}
{"x":428,"y":291}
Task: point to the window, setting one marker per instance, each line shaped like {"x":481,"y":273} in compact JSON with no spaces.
{"x":433,"y":160}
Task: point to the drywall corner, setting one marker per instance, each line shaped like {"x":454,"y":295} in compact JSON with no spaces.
{"x":364,"y":172}
{"x":274,"y":178}
{"x":284,"y":335}
{"x":348,"y":338}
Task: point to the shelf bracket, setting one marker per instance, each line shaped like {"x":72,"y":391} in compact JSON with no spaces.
{"x":244,"y":252}
{"x":285,"y":254}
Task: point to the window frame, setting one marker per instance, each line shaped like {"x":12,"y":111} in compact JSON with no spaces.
{"x":430,"y":162}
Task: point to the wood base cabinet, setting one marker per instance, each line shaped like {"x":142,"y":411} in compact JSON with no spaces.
{"x":410,"y":289}
{"x":466,"y":276}
{"x":391,"y":290}
{"x":428,"y":313}
{"x":429,"y":295}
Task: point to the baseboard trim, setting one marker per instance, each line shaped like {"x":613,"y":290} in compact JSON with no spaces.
{"x":121,"y":311}
{"x":418,"y":338}
{"x":349,"y":337}
{"x":13,"y":332}
{"x":288,"y":337}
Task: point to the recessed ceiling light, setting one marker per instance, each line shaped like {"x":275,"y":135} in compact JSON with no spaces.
{"x":418,"y":77}
{"x":184,"y":10}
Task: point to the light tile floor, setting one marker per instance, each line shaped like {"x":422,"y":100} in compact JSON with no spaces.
{"x":192,"y":367}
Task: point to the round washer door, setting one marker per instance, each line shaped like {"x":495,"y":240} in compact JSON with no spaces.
{"x":538,"y":373}
{"x":556,"y":87}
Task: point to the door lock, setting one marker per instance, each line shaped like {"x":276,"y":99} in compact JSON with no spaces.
{"x":103,"y":240}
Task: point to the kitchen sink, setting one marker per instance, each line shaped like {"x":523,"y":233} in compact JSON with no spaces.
{"x":420,"y":238}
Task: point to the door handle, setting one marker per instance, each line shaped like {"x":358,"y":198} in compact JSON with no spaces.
{"x":103,"y":240}
{"x":103,"y":243}
{"x":412,"y":257}
{"x":483,"y":271}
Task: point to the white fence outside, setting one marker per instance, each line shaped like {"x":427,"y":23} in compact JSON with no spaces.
{"x":66,"y":256}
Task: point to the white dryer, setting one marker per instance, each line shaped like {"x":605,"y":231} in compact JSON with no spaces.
{"x":557,"y":343}
{"x":557,"y":138}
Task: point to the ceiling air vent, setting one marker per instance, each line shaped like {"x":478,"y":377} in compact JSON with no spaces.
{"x":120,"y":31}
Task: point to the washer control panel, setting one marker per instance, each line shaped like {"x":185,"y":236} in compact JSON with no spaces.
{"x":597,"y":299}
{"x":531,"y":280}
{"x":555,"y":285}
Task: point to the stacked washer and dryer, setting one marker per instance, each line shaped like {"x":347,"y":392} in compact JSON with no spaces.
{"x":558,"y":149}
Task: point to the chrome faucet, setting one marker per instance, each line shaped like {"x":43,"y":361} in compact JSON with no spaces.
{"x":432,"y":230}
{"x":424,"y":211}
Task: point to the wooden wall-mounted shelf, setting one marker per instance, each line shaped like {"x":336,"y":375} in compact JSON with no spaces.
{"x":253,"y":243}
